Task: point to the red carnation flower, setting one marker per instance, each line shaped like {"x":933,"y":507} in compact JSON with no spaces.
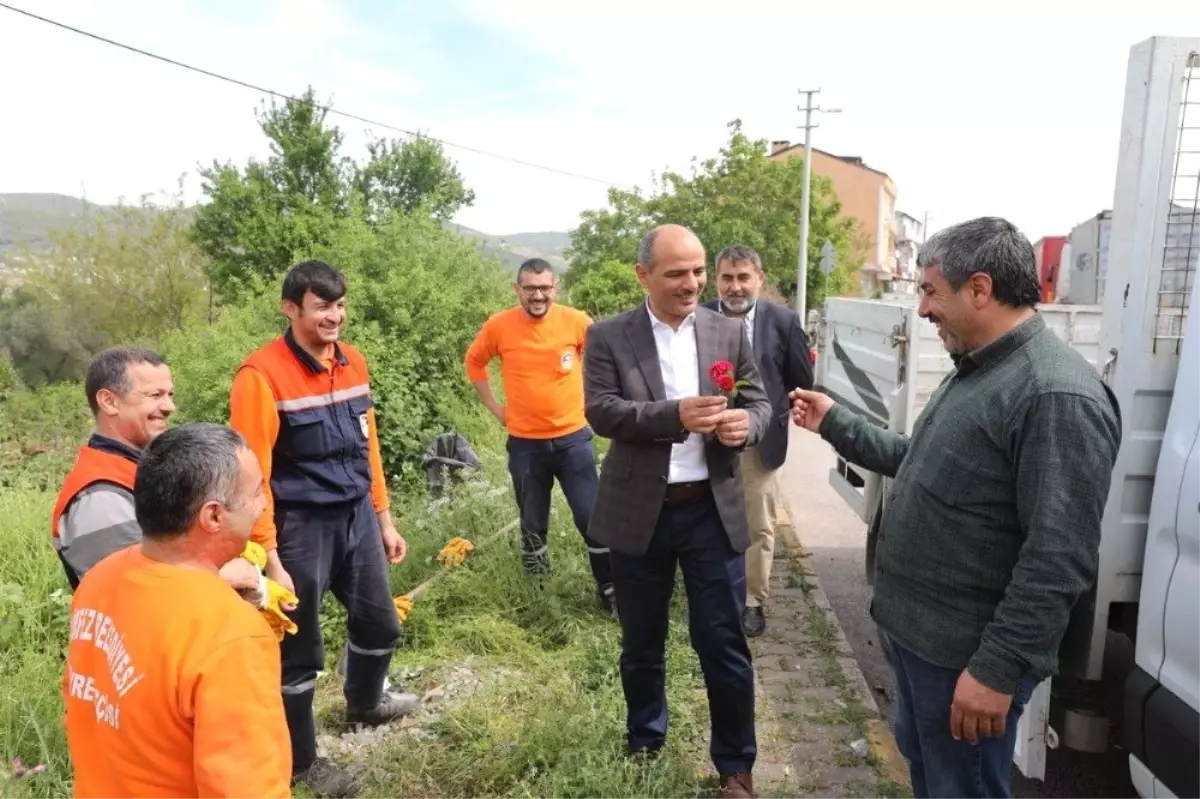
{"x":725,"y":383}
{"x":719,"y":369}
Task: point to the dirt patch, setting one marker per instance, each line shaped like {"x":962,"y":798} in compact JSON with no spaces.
{"x":441,"y":690}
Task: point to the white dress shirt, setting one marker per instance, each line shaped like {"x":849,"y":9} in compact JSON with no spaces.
{"x":679,"y":362}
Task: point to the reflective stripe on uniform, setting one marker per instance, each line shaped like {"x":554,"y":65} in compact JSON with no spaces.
{"x":322,"y":400}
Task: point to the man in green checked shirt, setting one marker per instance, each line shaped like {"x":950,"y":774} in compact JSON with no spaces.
{"x":992,"y":527}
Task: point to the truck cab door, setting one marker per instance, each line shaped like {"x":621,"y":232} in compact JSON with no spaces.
{"x":1162,"y":698}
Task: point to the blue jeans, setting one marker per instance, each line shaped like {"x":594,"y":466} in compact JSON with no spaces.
{"x":939,"y":765}
{"x":534,"y":464}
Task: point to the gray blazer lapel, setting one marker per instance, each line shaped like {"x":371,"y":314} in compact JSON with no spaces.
{"x":760,"y":324}
{"x":645,"y":350}
{"x":706,"y":349}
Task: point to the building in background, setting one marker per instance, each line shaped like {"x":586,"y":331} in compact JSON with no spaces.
{"x":910,"y":235}
{"x":867,"y":195}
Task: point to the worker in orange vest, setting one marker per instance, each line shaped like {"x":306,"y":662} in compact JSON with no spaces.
{"x":171,"y":684}
{"x":303,"y":403}
{"x":131,"y":396}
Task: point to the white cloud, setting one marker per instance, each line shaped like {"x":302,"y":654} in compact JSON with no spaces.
{"x":1012,"y":110}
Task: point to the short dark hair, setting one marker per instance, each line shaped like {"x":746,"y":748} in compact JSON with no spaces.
{"x":990,"y":245}
{"x":738,"y":254}
{"x":181,"y":470}
{"x":110,"y":370}
{"x":645,"y":251}
{"x":316,"y":276}
{"x":534,"y":266}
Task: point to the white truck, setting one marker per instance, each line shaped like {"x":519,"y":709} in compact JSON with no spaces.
{"x":879,"y":358}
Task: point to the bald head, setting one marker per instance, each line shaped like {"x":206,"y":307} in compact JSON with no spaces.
{"x":668,"y":243}
{"x":671,"y":268}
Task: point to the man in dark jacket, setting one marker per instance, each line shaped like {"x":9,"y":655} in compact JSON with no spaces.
{"x":782,"y":353}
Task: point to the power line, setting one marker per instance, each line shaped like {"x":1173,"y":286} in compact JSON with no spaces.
{"x":282,"y":95}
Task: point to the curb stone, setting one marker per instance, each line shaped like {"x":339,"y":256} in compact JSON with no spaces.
{"x":813,"y":700}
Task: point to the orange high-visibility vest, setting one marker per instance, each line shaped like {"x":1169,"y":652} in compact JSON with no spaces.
{"x":92,"y":466}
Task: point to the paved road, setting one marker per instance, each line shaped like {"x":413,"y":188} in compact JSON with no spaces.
{"x":835,"y":537}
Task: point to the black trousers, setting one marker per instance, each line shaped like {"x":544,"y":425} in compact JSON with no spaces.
{"x":534,"y":464}
{"x":334,"y":548}
{"x":714,"y":575}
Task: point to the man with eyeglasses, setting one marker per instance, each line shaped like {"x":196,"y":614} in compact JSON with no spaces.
{"x":540,"y":345}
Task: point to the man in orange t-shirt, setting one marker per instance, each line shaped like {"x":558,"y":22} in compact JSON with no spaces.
{"x":540,"y":345}
{"x":172,"y":681}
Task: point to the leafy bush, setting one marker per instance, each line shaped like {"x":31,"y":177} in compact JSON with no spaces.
{"x":39,"y":433}
{"x":417,"y":295}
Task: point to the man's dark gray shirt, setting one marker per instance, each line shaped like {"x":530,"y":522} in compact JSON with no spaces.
{"x":992,"y":526}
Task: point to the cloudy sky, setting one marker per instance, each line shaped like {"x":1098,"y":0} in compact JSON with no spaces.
{"x":1011,"y":109}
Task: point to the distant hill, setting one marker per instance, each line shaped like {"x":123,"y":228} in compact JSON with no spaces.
{"x":516,"y":247}
{"x":29,"y":219}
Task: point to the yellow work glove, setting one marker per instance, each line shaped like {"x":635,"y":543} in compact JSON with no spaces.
{"x":273,"y":594}
{"x":255,"y":554}
{"x":403,"y":605}
{"x":455,"y":552}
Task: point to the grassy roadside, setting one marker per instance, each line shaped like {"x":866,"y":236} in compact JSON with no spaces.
{"x":525,"y":696}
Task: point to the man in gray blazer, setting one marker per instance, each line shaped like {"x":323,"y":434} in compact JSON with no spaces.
{"x":671,"y":492}
{"x":784,"y":362}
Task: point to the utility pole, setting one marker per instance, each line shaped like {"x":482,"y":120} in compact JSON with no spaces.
{"x":802,"y":278}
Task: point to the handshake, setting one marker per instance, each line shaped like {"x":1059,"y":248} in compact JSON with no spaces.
{"x":706,"y":415}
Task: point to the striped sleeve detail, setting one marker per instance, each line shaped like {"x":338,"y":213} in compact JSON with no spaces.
{"x":99,"y":522}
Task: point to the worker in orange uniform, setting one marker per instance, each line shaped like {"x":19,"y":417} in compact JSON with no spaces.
{"x":171,"y":681}
{"x":131,"y":396}
{"x":303,"y":403}
{"x":540,"y":345}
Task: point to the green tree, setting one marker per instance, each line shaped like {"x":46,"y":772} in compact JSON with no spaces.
{"x":410,"y":177}
{"x":607,"y":289}
{"x":417,"y":295}
{"x":129,"y":276}
{"x":738,"y":197}
{"x":261,"y":219}
{"x":258,"y":218}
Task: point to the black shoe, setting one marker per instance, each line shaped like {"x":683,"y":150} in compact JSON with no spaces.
{"x":390,"y":708}
{"x":753,"y":621}
{"x":643,"y":755}
{"x":608,"y":599}
{"x":326,"y":780}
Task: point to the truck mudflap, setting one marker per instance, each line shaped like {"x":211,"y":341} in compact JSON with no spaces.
{"x":1163,"y":733}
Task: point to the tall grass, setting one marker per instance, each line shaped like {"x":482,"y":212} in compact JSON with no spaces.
{"x":541,"y":714}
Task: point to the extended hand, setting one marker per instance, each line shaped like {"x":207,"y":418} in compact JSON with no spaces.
{"x":977,"y":711}
{"x":733,"y":428}
{"x":701,"y":414}
{"x":809,"y":408}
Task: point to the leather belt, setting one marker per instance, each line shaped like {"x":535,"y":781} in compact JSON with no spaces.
{"x":686,"y":492}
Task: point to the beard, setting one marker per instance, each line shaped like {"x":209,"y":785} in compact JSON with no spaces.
{"x":738,"y":304}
